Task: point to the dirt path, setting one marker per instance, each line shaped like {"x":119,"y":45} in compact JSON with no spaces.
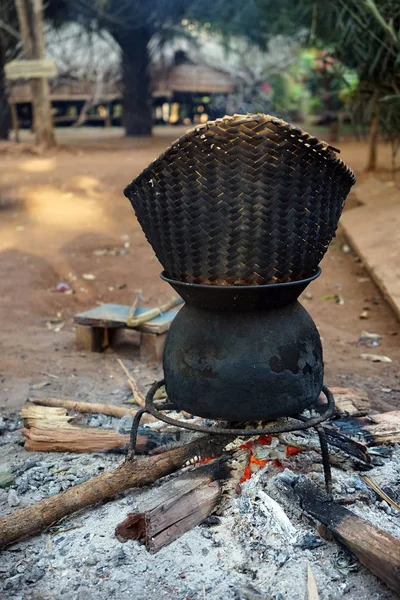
{"x":61,"y":215}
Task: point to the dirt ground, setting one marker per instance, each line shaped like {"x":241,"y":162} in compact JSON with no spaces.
{"x":61,"y":215}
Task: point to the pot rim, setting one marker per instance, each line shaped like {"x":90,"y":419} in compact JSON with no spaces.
{"x":287,"y":284}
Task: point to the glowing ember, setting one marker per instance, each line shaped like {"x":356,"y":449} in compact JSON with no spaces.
{"x":257,"y":463}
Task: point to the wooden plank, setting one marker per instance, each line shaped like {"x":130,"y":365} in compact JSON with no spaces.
{"x":351,"y":401}
{"x":391,"y":418}
{"x":20,"y":68}
{"x":385,"y":428}
{"x":115,"y":315}
{"x":374,"y":235}
{"x":376,"y":549}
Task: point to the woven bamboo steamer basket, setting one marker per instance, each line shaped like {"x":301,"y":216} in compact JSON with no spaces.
{"x":242,"y":200}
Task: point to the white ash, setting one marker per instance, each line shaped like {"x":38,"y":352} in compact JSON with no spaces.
{"x":246,"y":554}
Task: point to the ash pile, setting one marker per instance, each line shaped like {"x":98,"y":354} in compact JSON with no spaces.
{"x":245,"y":520}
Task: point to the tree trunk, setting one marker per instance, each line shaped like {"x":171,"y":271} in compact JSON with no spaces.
{"x":5,"y":114}
{"x":373,"y":144}
{"x":30,"y":18}
{"x":334,"y":131}
{"x":137,"y":113}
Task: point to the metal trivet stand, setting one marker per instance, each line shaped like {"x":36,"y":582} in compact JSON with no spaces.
{"x":282,"y":425}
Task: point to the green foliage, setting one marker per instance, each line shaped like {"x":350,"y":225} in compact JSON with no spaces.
{"x":368,"y":39}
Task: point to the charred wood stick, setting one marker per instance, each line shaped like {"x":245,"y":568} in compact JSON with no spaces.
{"x":354,"y":451}
{"x":345,"y":443}
{"x":382,"y":428}
{"x":140,"y":472}
{"x":376,"y":549}
{"x":90,"y":407}
{"x":184,"y":502}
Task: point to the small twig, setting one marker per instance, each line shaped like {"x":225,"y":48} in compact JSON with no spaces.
{"x":152,"y":313}
{"x":58,"y":531}
{"x":312,"y":590}
{"x":49,"y":375}
{"x":378,"y":490}
{"x":134,"y":306}
{"x":138,"y":397}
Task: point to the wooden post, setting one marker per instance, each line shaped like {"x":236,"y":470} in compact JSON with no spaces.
{"x":15,"y":120}
{"x":152,"y":347}
{"x":5,"y":111}
{"x":30,"y":18}
{"x":89,"y":339}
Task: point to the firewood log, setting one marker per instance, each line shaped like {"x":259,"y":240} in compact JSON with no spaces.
{"x":78,"y":439}
{"x":376,"y":549}
{"x":137,"y":473}
{"x":184,"y":502}
{"x":90,"y":407}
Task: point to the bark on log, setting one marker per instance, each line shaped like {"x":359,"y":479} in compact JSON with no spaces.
{"x":184,"y":502}
{"x":376,"y":549}
{"x":90,"y":407}
{"x":140,"y":472}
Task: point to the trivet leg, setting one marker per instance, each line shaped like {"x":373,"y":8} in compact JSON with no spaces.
{"x":325,"y":459}
{"x":134,"y":431}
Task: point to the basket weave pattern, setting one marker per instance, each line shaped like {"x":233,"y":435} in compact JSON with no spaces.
{"x":242,"y":200}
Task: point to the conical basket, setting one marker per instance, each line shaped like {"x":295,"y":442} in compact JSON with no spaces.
{"x":242,"y":200}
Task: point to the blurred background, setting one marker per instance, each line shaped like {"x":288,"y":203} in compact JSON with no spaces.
{"x":91,"y":91}
{"x":181,"y":62}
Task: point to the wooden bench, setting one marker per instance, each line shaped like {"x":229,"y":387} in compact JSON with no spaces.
{"x":98,"y":328}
